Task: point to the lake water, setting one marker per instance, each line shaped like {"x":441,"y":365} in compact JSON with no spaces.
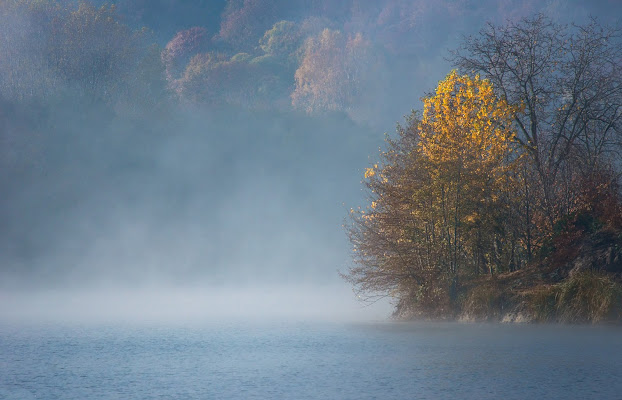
{"x":310,"y":361}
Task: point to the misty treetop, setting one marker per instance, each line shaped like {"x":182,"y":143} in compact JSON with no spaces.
{"x":314,"y":56}
{"x":512,"y":171}
{"x":65,"y":50}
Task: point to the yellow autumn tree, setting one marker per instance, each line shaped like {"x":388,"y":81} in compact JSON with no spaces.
{"x":464,"y":121}
{"x":467,"y":137}
{"x":441,"y":201}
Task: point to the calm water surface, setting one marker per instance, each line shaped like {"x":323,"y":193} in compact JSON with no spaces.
{"x":310,"y":361}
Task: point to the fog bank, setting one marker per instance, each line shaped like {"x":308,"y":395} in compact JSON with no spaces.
{"x":205,"y":304}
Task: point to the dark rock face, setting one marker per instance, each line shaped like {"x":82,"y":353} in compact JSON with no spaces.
{"x":603,"y":254}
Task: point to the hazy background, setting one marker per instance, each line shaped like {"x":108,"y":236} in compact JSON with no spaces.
{"x":156,"y":203}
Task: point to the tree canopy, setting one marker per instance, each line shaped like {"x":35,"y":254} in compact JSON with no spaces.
{"x":441,"y":199}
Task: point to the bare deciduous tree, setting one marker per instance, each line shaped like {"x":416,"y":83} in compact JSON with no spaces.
{"x":569,"y":83}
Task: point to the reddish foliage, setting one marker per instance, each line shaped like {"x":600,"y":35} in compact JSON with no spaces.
{"x":182,"y":48}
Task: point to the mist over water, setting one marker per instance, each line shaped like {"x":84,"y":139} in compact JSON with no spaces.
{"x":188,"y":305}
{"x":187,"y":228}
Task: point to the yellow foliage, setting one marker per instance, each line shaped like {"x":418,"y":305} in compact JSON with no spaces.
{"x":443,"y":192}
{"x":369,"y":172}
{"x":466,"y":125}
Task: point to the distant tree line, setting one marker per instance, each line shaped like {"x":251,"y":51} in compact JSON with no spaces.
{"x":511,"y":165}
{"x":315,"y":56}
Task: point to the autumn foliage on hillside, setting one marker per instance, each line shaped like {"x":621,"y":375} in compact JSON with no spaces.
{"x":315,"y":56}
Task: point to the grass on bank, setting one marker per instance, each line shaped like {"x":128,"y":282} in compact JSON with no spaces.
{"x":584,"y":297}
